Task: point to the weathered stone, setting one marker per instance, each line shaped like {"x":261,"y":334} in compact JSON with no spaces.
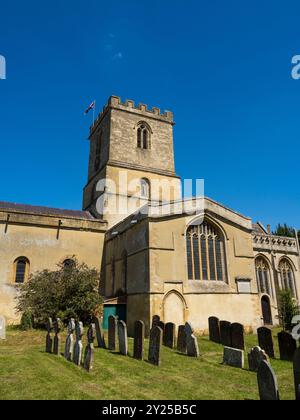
{"x":99,"y":333}
{"x":69,"y":348}
{"x":265,"y":341}
{"x":225,"y":333}
{"x":296,"y":366}
{"x":237,"y":336}
{"x":89,"y":350}
{"x":287,"y":346}
{"x":181,"y":339}
{"x":2,"y":328}
{"x":139,"y":339}
{"x":267,"y":383}
{"x":78,"y":348}
{"x":155,"y":321}
{"x":191,"y":341}
{"x":161,"y":325}
{"x":112,"y":333}
{"x":49,"y":341}
{"x":255,"y":357}
{"x":57,"y":325}
{"x":169,"y":335}
{"x":123,"y":340}
{"x":214,"y":329}
{"x":155,"y":344}
{"x":234,"y":357}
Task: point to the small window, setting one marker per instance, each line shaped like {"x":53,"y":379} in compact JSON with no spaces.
{"x":21,"y":270}
{"x":69,"y":263}
{"x":145,"y":188}
{"x":98,"y":152}
{"x":143,"y":136}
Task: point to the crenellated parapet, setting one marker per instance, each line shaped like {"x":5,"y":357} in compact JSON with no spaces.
{"x":274,"y":243}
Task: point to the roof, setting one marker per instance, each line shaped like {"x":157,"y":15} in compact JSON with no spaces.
{"x":259,"y":229}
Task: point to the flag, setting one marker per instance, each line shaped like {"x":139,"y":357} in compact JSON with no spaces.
{"x":91,"y":106}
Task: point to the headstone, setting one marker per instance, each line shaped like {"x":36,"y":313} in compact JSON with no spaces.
{"x":237,"y":336}
{"x":255,"y":357}
{"x":191,"y":341}
{"x":161,"y":325}
{"x":155,"y":321}
{"x":139,"y":339}
{"x":57,"y":325}
{"x":214,"y":329}
{"x":267,"y":383}
{"x":99,"y":333}
{"x":49,"y":341}
{"x":123,"y":340}
{"x":2,"y":328}
{"x":233,"y":357}
{"x":89,"y":351}
{"x":155,"y":344}
{"x":112,"y":332}
{"x":225,"y":333}
{"x":181,"y":339}
{"x":287,"y":346}
{"x":169,"y":335}
{"x":78,"y":348}
{"x":69,"y":348}
{"x":265,"y":341}
{"x":296,"y":366}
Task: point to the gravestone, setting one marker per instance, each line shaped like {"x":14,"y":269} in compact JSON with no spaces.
{"x":112,"y":332}
{"x":267,"y":383}
{"x":169,"y":335}
{"x":155,"y":321}
{"x":265,"y":341}
{"x":214,"y":329}
{"x":161,"y":325}
{"x":78,"y":348}
{"x":2,"y":328}
{"x":123,"y":340}
{"x":225,"y":333}
{"x":181,"y":339}
{"x":296,"y":366}
{"x":99,"y":333}
{"x":191,"y":341}
{"x":233,"y":357}
{"x":89,"y":350}
{"x":139,"y":340}
{"x":237,"y":336}
{"x":255,"y":357}
{"x":49,"y":341}
{"x":69,"y":348}
{"x":287,"y":346}
{"x":155,"y":344}
{"x":57,"y":325}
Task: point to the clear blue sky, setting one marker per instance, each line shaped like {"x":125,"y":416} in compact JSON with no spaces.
{"x":223,"y":68}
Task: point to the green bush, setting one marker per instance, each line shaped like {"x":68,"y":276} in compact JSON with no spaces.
{"x":26,"y":321}
{"x":287,"y":309}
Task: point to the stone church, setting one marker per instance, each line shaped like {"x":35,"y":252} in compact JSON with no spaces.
{"x":154,"y":260}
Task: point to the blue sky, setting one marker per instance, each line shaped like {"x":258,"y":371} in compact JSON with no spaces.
{"x":223,"y":68}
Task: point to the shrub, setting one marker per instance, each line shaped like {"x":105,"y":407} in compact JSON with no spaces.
{"x":287,"y":309}
{"x":26,"y":321}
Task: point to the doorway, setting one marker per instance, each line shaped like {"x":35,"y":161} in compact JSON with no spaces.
{"x":266,"y":310}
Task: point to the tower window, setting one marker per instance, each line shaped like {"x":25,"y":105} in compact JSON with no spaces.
{"x":143,"y":136}
{"x":98,"y":152}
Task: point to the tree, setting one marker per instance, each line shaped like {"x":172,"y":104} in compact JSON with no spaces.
{"x":285,"y":230}
{"x":69,"y":292}
{"x":287,"y":309}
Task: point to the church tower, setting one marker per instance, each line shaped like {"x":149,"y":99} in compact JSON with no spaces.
{"x":132,"y":155}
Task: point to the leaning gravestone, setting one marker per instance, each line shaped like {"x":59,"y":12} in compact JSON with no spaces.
{"x":78,"y":348}
{"x":169,"y":335}
{"x":155,"y":344}
{"x":2,"y":328}
{"x":89,"y":351}
{"x":267,"y":383}
{"x":237,"y":336}
{"x":49,"y":341}
{"x":57,"y":324}
{"x":99,"y":333}
{"x":191,"y":341}
{"x":296,"y":366}
{"x":155,"y":321}
{"x":214,"y":329}
{"x":265,"y":341}
{"x":255,"y":357}
{"x":123,"y":340}
{"x":181,"y":339}
{"x":112,"y":332}
{"x":287,"y":346}
{"x":225,"y":333}
{"x":161,"y":325}
{"x":233,"y":357}
{"x":139,"y":340}
{"x":69,"y":348}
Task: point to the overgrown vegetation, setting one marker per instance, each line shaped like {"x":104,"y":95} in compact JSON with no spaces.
{"x":287,"y":309}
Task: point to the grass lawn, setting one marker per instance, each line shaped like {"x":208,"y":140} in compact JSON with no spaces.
{"x":27,"y":372}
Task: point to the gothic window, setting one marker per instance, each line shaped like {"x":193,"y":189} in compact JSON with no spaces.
{"x":205,"y":253}
{"x":21,"y":270}
{"x":145,"y":188}
{"x":98,"y":152}
{"x":263,"y":276}
{"x":287,"y":276}
{"x":143,"y":136}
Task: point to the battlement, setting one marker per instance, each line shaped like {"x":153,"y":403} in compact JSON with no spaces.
{"x":115,"y":102}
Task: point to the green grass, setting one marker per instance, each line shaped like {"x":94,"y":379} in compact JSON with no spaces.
{"x":27,"y":372}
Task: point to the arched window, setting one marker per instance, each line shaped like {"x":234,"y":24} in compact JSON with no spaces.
{"x":263,"y":276}
{"x":69,"y":263}
{"x":21,"y":270}
{"x":143,"y":136}
{"x":287,"y":276}
{"x":145,"y":188}
{"x":205,"y":253}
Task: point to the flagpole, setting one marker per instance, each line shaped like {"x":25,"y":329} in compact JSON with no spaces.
{"x":94,"y":112}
